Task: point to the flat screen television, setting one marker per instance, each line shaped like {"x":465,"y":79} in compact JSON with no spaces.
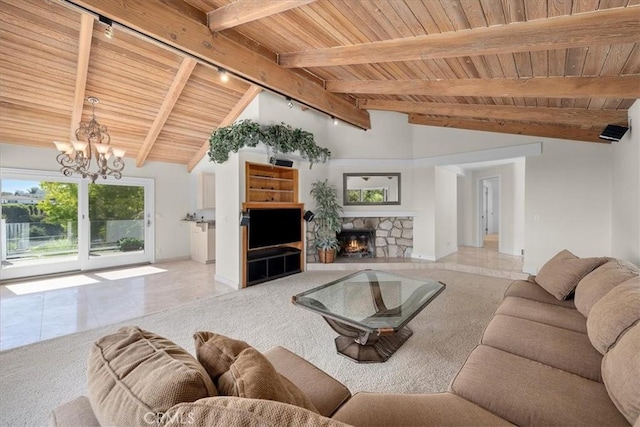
{"x":270,"y":227}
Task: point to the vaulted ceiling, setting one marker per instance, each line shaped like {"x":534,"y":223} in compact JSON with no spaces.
{"x":549,"y":68}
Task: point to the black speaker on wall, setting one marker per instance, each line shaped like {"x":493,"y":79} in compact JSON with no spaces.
{"x":613,"y":132}
{"x":281,"y":162}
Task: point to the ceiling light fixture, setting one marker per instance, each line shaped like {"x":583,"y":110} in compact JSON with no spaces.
{"x":289,"y":102}
{"x":335,"y":120}
{"x":108,"y":32}
{"x":93,"y":141}
{"x":224,"y":77}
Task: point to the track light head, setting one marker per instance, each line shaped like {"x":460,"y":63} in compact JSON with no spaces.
{"x":224,"y":76}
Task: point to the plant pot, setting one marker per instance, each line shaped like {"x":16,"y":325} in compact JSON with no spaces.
{"x":326,"y":256}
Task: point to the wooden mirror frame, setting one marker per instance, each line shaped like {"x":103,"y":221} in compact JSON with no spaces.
{"x":389,"y":175}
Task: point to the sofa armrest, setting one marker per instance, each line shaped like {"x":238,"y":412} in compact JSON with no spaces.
{"x":326,"y":393}
{"x":76,"y":412}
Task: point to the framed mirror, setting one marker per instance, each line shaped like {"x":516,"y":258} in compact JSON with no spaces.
{"x":372,"y":188}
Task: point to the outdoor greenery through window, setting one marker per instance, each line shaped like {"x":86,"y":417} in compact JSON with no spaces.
{"x":374,"y":195}
{"x":35,"y":225}
{"x":40,"y":219}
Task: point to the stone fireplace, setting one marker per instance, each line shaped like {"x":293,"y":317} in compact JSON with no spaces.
{"x":390,"y":237}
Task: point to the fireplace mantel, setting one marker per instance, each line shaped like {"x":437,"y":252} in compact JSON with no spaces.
{"x":376,"y":213}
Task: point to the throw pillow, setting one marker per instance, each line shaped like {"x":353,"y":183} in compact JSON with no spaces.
{"x":250,"y":374}
{"x":225,"y":411}
{"x":600,"y":281}
{"x":613,"y":314}
{"x":217,"y":352}
{"x":561,"y":274}
{"x":133,"y":375}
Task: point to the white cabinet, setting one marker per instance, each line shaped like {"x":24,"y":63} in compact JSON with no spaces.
{"x":206,"y":191}
{"x":203,"y":242}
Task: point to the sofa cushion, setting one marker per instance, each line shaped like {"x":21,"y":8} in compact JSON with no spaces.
{"x":326,"y":393}
{"x":526,"y":392}
{"x":440,"y":409}
{"x":531,"y":290}
{"x":613,"y":314}
{"x":600,"y":281}
{"x":621,"y":373}
{"x":561,"y":348}
{"x":550,"y":314}
{"x":560,"y":275}
{"x":133,"y":373}
{"x":240,"y":370}
{"x":76,"y":412}
{"x":226,"y":411}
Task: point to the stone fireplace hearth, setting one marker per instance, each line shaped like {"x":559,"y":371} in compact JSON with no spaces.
{"x":393,"y":236}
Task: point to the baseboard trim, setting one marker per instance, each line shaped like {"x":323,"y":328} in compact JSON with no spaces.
{"x":226,"y":281}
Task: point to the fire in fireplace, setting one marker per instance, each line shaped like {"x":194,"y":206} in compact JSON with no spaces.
{"x":357,"y":243}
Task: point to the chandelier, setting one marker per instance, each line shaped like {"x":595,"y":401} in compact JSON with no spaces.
{"x":92,"y":143}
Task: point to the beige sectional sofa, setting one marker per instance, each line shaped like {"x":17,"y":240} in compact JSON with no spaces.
{"x":563,"y":348}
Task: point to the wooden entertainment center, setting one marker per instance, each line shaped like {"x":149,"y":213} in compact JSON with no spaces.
{"x":274,"y":247}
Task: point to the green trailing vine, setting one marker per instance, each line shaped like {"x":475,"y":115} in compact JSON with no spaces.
{"x":280,"y":138}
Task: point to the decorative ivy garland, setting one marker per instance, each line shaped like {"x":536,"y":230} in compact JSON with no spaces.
{"x":280,"y":138}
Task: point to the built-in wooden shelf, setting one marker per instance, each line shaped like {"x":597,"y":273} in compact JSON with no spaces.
{"x":268,"y":183}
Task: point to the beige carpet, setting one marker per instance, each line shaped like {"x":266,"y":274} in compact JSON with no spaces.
{"x":35,"y":378}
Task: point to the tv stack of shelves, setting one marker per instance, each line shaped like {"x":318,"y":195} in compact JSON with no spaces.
{"x":268,"y":183}
{"x":268,"y":264}
{"x":271,"y":187}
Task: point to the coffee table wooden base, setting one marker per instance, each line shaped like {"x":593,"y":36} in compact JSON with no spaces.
{"x":374,"y":351}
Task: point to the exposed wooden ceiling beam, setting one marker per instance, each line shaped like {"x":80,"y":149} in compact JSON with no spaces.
{"x":601,"y":27}
{"x":82,"y":69}
{"x":155,"y":19}
{"x":243,"y":11}
{"x":568,"y":116}
{"x":237,"y":109}
{"x":538,"y":87}
{"x":539,"y":130}
{"x":179,"y":81}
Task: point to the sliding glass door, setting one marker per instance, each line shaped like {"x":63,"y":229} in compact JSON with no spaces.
{"x":39,"y":230}
{"x":118,"y":224}
{"x":51,"y":223}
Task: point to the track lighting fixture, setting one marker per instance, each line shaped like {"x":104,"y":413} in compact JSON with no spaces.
{"x":108,"y":32}
{"x":224,"y":77}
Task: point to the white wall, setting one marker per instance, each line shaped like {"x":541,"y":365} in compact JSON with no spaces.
{"x":172,"y":201}
{"x":446,"y":203}
{"x":625,"y":194}
{"x":568,"y":202}
{"x":466,"y":216}
{"x":424,"y":223}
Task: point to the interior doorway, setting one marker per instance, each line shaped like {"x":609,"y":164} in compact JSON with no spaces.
{"x":489,"y":213}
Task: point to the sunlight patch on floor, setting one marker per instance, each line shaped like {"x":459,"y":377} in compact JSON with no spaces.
{"x":130,"y":272}
{"x":31,"y":287}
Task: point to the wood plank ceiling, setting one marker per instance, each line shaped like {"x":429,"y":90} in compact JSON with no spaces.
{"x":554,"y":68}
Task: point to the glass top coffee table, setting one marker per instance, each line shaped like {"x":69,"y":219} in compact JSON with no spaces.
{"x":370,"y":310}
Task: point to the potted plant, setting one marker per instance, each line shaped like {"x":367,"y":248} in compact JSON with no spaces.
{"x":327,"y":219}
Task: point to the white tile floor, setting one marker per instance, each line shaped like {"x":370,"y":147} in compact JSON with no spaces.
{"x":43,"y":308}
